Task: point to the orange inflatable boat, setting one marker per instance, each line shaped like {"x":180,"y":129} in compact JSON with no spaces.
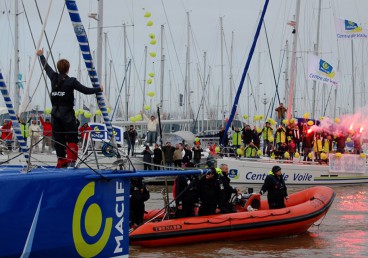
{"x":302,"y":210}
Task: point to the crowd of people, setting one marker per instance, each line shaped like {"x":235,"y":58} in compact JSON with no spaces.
{"x":290,"y":140}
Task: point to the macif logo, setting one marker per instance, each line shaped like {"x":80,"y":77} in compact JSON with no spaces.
{"x":351,"y":26}
{"x":90,"y":233}
{"x":326,"y":68}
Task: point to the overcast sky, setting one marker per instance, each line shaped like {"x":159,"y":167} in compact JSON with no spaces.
{"x":240,"y":17}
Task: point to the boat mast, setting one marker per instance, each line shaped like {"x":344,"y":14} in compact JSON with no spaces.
{"x":187,"y":72}
{"x":353,"y":74}
{"x":203,"y":88}
{"x":316,"y":46}
{"x":144,"y":77}
{"x":162,"y":69}
{"x":99,"y":38}
{"x":126,"y":74}
{"x":222,"y":74}
{"x":16,"y":58}
{"x":286,"y":73}
{"x":231,"y":69}
{"x":293,"y":62}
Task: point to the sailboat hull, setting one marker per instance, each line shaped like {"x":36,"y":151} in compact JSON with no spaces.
{"x":254,"y":171}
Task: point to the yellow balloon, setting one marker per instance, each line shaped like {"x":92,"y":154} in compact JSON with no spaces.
{"x":217,"y":149}
{"x":149,"y":81}
{"x":259,"y":153}
{"x":297,"y":155}
{"x":196,"y":139}
{"x":152,"y":36}
{"x":348,"y":139}
{"x":151,"y":74}
{"x":87,"y":114}
{"x":286,"y":155}
{"x":149,"y":23}
{"x":147,"y":15}
{"x":306,"y":115}
{"x":337,"y":120}
{"x":310,"y":155}
{"x":239,"y":151}
{"x":323,"y":156}
{"x":76,"y":113}
{"x":273,"y":122}
{"x":152,"y":54}
{"x":48,"y":111}
{"x":363,"y":155}
{"x":147,"y":107}
{"x":108,"y":110}
{"x":138,"y":117}
{"x":261,"y":117}
{"x":245,"y":116}
{"x":98,"y":112}
{"x":292,"y":121}
{"x":273,"y":156}
{"x":321,"y":118}
{"x":285,"y":122}
{"x":258,"y":129}
{"x":310,"y":122}
{"x":338,"y":155}
{"x":153,"y":42}
{"x":80,"y":111}
{"x":150,"y":93}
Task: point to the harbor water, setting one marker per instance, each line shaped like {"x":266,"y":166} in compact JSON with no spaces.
{"x":343,"y":232}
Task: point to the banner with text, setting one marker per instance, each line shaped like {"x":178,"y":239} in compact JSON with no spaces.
{"x":321,"y":70}
{"x":346,"y":29}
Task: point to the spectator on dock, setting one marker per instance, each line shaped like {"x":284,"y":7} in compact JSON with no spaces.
{"x":47,"y":135}
{"x":147,"y":158}
{"x":152,"y":123}
{"x":85,"y":131}
{"x":197,"y":154}
{"x":35,"y":133}
{"x":168,"y":151}
{"x":157,"y":157}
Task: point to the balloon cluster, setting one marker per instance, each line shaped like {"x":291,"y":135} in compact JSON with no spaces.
{"x":152,"y":39}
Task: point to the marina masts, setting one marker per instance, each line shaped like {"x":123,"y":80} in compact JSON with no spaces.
{"x":293,"y":62}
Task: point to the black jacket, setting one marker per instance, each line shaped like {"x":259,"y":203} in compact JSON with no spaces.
{"x":62,"y":91}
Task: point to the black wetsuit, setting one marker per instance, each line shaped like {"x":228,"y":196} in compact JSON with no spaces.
{"x":64,"y":123}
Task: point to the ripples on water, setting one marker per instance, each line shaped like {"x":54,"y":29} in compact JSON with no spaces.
{"x":342,"y":233}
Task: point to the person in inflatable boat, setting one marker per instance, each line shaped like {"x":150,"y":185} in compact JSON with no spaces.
{"x":275,"y":187}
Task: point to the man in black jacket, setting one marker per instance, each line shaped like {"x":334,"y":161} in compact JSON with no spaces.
{"x":275,"y":187}
{"x":226,"y":189}
{"x":63,"y":120}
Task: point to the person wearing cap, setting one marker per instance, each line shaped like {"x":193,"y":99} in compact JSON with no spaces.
{"x":267,"y":135}
{"x":275,"y":187}
{"x":209,"y":193}
{"x":47,"y":134}
{"x":226,"y":189}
